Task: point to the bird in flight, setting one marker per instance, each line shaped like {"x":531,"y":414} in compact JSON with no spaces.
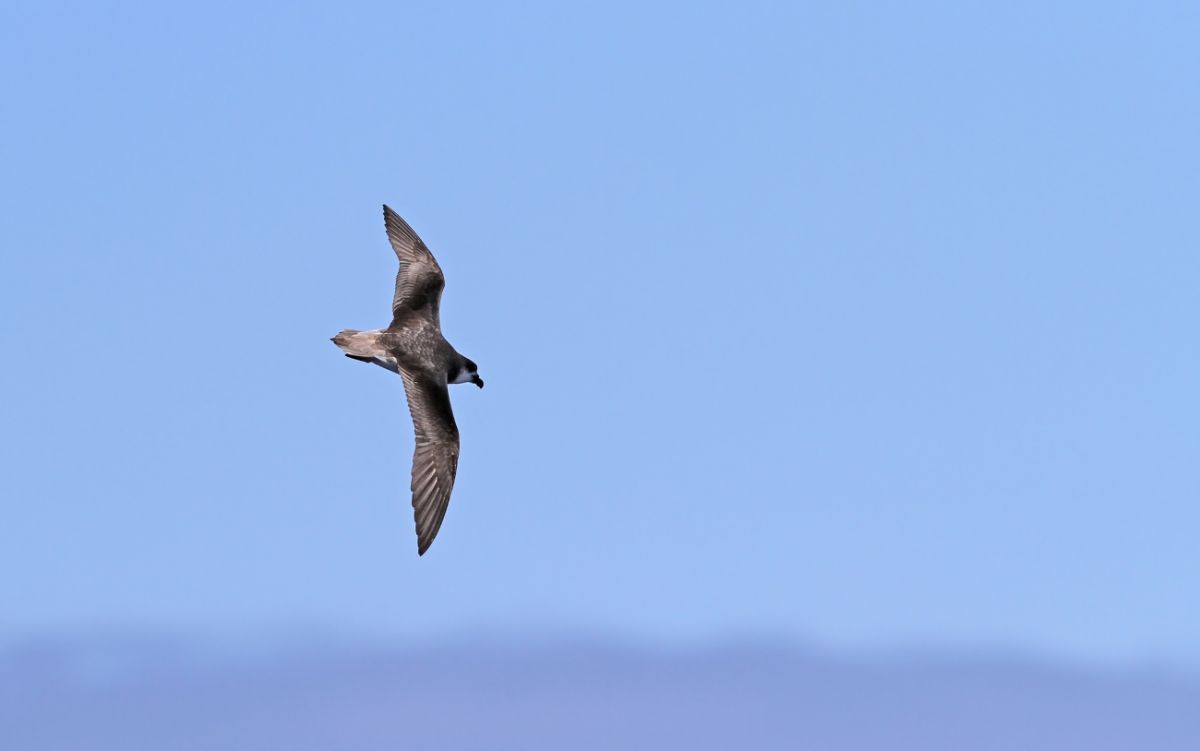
{"x":413,"y":347}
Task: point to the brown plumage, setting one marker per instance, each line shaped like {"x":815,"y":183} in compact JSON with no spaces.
{"x":413,"y":346}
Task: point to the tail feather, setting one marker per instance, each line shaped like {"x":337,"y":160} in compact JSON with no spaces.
{"x":353,"y":342}
{"x":364,"y":346}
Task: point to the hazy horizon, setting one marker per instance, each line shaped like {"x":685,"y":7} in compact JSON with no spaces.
{"x":582,"y":694}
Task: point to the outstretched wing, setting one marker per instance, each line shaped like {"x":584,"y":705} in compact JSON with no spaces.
{"x":419,"y":282}
{"x":435,"y":457}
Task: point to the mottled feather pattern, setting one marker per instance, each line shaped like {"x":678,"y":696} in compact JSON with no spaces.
{"x":413,"y":346}
{"x":419,"y":282}
{"x":435,"y":456}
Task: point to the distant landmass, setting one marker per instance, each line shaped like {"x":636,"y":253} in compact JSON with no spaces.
{"x":174,"y":695}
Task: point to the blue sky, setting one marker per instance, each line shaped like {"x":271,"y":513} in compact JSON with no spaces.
{"x":868,"y":325}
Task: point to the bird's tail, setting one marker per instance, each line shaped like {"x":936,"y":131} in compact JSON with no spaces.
{"x":359,"y":344}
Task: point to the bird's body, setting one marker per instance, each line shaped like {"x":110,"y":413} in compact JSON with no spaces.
{"x":413,"y":347}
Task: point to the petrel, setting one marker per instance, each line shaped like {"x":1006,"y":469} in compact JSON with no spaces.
{"x":413,"y":346}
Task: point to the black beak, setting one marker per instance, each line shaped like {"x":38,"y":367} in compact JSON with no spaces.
{"x":477,"y":381}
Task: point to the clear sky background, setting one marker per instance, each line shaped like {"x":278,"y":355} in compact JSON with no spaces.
{"x":867,"y":325}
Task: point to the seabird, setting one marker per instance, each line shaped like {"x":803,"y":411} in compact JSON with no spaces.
{"x":413,"y":347}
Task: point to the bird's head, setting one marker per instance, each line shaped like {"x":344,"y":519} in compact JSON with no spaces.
{"x":467,"y":372}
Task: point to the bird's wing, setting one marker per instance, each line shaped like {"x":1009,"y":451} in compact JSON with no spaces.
{"x":435,"y":456}
{"x":419,"y":282}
